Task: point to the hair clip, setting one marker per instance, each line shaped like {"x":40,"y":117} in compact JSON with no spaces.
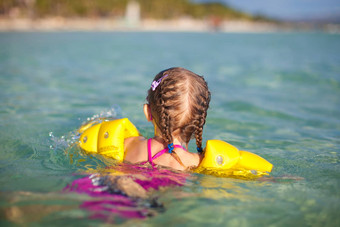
{"x":199,"y":149}
{"x":155,"y":84}
{"x":170,"y":147}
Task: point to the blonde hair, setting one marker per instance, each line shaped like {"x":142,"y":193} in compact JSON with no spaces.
{"x":179,"y":104}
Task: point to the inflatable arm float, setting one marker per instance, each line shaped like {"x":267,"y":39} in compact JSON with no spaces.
{"x":222,"y":155}
{"x":107,"y":138}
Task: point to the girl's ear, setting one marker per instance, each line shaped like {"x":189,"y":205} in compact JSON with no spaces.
{"x":147,"y":112}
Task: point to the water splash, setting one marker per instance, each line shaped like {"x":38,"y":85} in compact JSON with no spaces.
{"x":64,"y":150}
{"x":61,"y":150}
{"x":113,"y":112}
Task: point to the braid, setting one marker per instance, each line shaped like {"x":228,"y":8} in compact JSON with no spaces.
{"x":165,"y":123}
{"x":166,"y":94}
{"x":202,"y":110}
{"x":199,"y":132}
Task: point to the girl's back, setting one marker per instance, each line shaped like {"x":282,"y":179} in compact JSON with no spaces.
{"x":136,"y":151}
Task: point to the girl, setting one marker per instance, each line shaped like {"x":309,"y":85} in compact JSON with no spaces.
{"x":177,"y":105}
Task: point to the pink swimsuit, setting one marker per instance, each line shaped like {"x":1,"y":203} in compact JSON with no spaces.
{"x":151,"y":158}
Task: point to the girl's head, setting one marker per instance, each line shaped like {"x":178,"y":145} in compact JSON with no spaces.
{"x":178,"y":102}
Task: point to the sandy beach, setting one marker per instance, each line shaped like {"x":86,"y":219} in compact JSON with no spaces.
{"x":176,"y":25}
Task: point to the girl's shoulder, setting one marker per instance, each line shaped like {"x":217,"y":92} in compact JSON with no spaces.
{"x":135,"y":149}
{"x":131,"y":141}
{"x":189,"y":159}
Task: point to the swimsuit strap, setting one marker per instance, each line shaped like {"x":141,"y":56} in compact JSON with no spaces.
{"x":149,"y":151}
{"x":151,"y":158}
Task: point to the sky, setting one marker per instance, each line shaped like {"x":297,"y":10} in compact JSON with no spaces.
{"x":287,"y":9}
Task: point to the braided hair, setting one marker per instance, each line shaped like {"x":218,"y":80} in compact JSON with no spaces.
{"x":179,"y":104}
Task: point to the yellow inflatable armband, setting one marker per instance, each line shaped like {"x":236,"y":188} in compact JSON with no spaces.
{"x":107,"y":138}
{"x":222,"y":155}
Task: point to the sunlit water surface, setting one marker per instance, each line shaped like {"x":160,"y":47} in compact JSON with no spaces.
{"x":276,"y":95}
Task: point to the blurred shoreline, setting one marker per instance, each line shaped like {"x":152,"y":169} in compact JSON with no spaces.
{"x":174,"y":25}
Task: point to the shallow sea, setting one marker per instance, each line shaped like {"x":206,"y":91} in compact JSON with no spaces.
{"x":276,"y":95}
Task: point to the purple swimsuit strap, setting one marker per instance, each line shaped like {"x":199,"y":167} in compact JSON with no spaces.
{"x":151,"y":158}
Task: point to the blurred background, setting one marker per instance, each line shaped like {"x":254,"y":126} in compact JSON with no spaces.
{"x":272,"y":67}
{"x":187,"y":15}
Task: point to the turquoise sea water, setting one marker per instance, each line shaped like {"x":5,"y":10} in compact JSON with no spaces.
{"x":276,"y":95}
